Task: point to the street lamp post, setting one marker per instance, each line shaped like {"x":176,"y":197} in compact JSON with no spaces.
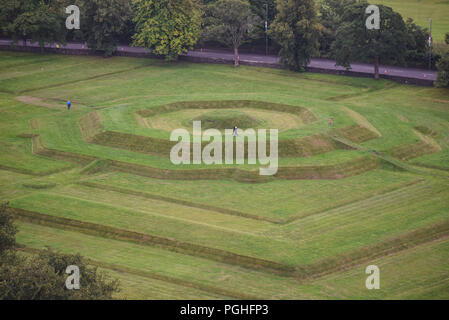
{"x":266,"y":29}
{"x":430,"y":46}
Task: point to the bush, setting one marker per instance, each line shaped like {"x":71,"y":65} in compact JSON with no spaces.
{"x":443,"y":71}
{"x":43,"y":277}
{"x":417,"y":47}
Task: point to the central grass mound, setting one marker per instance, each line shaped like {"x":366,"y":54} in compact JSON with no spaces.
{"x":227,"y":119}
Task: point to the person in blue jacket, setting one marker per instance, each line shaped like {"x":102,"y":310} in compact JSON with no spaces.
{"x":69,"y":104}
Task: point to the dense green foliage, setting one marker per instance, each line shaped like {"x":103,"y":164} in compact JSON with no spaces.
{"x":417,"y":44}
{"x":103,"y":22}
{"x":168,"y":27}
{"x":330,"y":12}
{"x":43,"y":277}
{"x":230,"y":22}
{"x":331,"y":15}
{"x":443,"y":71}
{"x":39,"y":21}
{"x":354,"y":42}
{"x":296,"y":30}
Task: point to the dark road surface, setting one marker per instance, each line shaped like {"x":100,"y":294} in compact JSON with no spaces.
{"x":254,"y":59}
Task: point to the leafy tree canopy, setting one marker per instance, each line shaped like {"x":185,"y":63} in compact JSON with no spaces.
{"x":232,"y":23}
{"x":42,"y":21}
{"x":443,"y":71}
{"x":43,"y":276}
{"x":417,"y":44}
{"x":103,"y":23}
{"x":354,"y":42}
{"x":296,"y":30}
{"x":168,"y":27}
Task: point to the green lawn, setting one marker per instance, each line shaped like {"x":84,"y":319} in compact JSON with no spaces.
{"x":413,"y":274}
{"x":221,"y":238}
{"x":421,"y":11}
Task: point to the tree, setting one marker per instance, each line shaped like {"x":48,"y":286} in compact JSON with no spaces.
{"x":354,"y":42}
{"x":329,"y":18}
{"x":443,"y":71}
{"x":9,"y":10}
{"x":168,"y":27}
{"x":261,"y":8}
{"x":258,"y":7}
{"x":416,"y":44}
{"x":103,"y":23}
{"x":43,"y":276}
{"x":42,"y":21}
{"x":232,"y":23}
{"x":296,"y":30}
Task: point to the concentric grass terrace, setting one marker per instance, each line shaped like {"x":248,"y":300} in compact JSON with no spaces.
{"x":97,"y":179}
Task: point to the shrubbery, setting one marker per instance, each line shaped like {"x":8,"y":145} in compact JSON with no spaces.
{"x":443,"y":71}
{"x":42,"y":276}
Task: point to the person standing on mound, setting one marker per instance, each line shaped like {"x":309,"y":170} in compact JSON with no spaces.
{"x":69,"y":104}
{"x":234,"y":132}
{"x":331,"y":122}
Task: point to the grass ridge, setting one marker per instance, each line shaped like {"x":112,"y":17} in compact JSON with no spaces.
{"x":178,"y":201}
{"x":160,"y":277}
{"x":146,"y":239}
{"x":307,"y":272}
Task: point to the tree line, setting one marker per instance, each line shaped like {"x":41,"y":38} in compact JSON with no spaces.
{"x":297,"y":29}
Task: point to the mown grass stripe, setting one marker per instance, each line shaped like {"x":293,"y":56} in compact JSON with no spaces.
{"x":352,"y":202}
{"x":346,"y":205}
{"x":393,"y":245}
{"x":369,"y":209}
{"x":178,"y":201}
{"x":160,"y":277}
{"x":146,"y":239}
{"x":303,"y":272}
{"x":63,"y":83}
{"x":396,"y":163}
{"x":342,"y":221}
{"x":33,"y":173}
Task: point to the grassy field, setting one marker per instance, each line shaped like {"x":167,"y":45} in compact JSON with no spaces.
{"x":421,"y":11}
{"x":98,"y":180}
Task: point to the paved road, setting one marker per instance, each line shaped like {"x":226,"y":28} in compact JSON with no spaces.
{"x":325,"y":64}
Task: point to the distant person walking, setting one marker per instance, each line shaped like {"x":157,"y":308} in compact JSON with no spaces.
{"x":331,"y":122}
{"x":69,"y":104}
{"x":234,"y":132}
